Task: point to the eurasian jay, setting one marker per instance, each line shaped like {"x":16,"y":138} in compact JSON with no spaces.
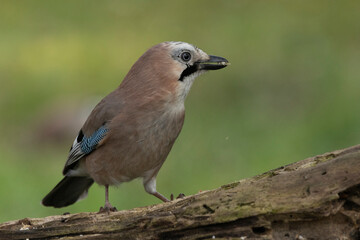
{"x":131,"y":131}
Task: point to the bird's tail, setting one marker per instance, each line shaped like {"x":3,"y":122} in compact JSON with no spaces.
{"x":68,"y":191}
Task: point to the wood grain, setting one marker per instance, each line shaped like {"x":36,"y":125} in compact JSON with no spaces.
{"x":316,"y":198}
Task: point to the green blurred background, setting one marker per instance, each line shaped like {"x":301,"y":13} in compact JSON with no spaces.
{"x":291,"y":92}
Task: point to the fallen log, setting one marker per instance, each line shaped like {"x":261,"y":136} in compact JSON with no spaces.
{"x":316,"y":198}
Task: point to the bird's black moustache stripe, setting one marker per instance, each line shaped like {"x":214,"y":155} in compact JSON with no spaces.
{"x":188,"y":71}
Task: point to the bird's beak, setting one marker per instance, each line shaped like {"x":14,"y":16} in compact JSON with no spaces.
{"x":213,"y":63}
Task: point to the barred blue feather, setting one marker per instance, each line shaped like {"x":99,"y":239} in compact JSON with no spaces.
{"x":83,"y":146}
{"x":88,"y":144}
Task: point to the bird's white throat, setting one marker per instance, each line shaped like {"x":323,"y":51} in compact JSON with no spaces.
{"x":184,"y":86}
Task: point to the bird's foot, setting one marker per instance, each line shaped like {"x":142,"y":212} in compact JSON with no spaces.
{"x":107,"y":208}
{"x":181,"y":195}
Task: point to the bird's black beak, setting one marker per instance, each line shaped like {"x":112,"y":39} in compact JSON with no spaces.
{"x":213,"y":63}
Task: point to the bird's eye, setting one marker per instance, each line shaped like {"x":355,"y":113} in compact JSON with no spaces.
{"x":185,"y":56}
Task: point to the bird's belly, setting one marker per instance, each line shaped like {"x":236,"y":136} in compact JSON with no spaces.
{"x":135,"y":150}
{"x":112,"y":166}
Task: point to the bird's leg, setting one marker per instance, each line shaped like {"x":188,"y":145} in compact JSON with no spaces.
{"x":107,"y":207}
{"x":161,"y":197}
{"x":150,"y":187}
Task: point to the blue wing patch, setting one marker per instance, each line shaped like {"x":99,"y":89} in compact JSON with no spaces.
{"x":83,"y":146}
{"x":88,"y":144}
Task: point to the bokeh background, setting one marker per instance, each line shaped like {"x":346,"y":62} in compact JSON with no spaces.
{"x":291,"y":92}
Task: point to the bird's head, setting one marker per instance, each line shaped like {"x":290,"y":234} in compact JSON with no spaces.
{"x":171,"y":67}
{"x":192,"y":61}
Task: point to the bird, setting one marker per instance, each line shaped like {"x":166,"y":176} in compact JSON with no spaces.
{"x":131,"y":131}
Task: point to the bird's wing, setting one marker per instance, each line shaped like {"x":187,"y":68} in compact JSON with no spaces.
{"x":94,"y":129}
{"x":83,"y":146}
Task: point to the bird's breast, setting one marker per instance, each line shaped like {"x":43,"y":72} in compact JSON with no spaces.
{"x":158,"y":135}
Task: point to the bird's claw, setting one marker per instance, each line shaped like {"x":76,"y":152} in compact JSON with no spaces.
{"x":107,"y":209}
{"x":181,"y":195}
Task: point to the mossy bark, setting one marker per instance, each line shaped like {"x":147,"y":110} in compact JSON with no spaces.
{"x":317,"y":198}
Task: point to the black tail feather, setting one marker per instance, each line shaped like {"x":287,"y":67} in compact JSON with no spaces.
{"x":67,"y":191}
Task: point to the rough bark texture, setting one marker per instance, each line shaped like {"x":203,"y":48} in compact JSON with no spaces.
{"x":317,"y":198}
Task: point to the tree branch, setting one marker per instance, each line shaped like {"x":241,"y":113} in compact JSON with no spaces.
{"x":317,"y":198}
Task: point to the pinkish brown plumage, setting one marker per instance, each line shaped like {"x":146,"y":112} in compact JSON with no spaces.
{"x":132,"y":130}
